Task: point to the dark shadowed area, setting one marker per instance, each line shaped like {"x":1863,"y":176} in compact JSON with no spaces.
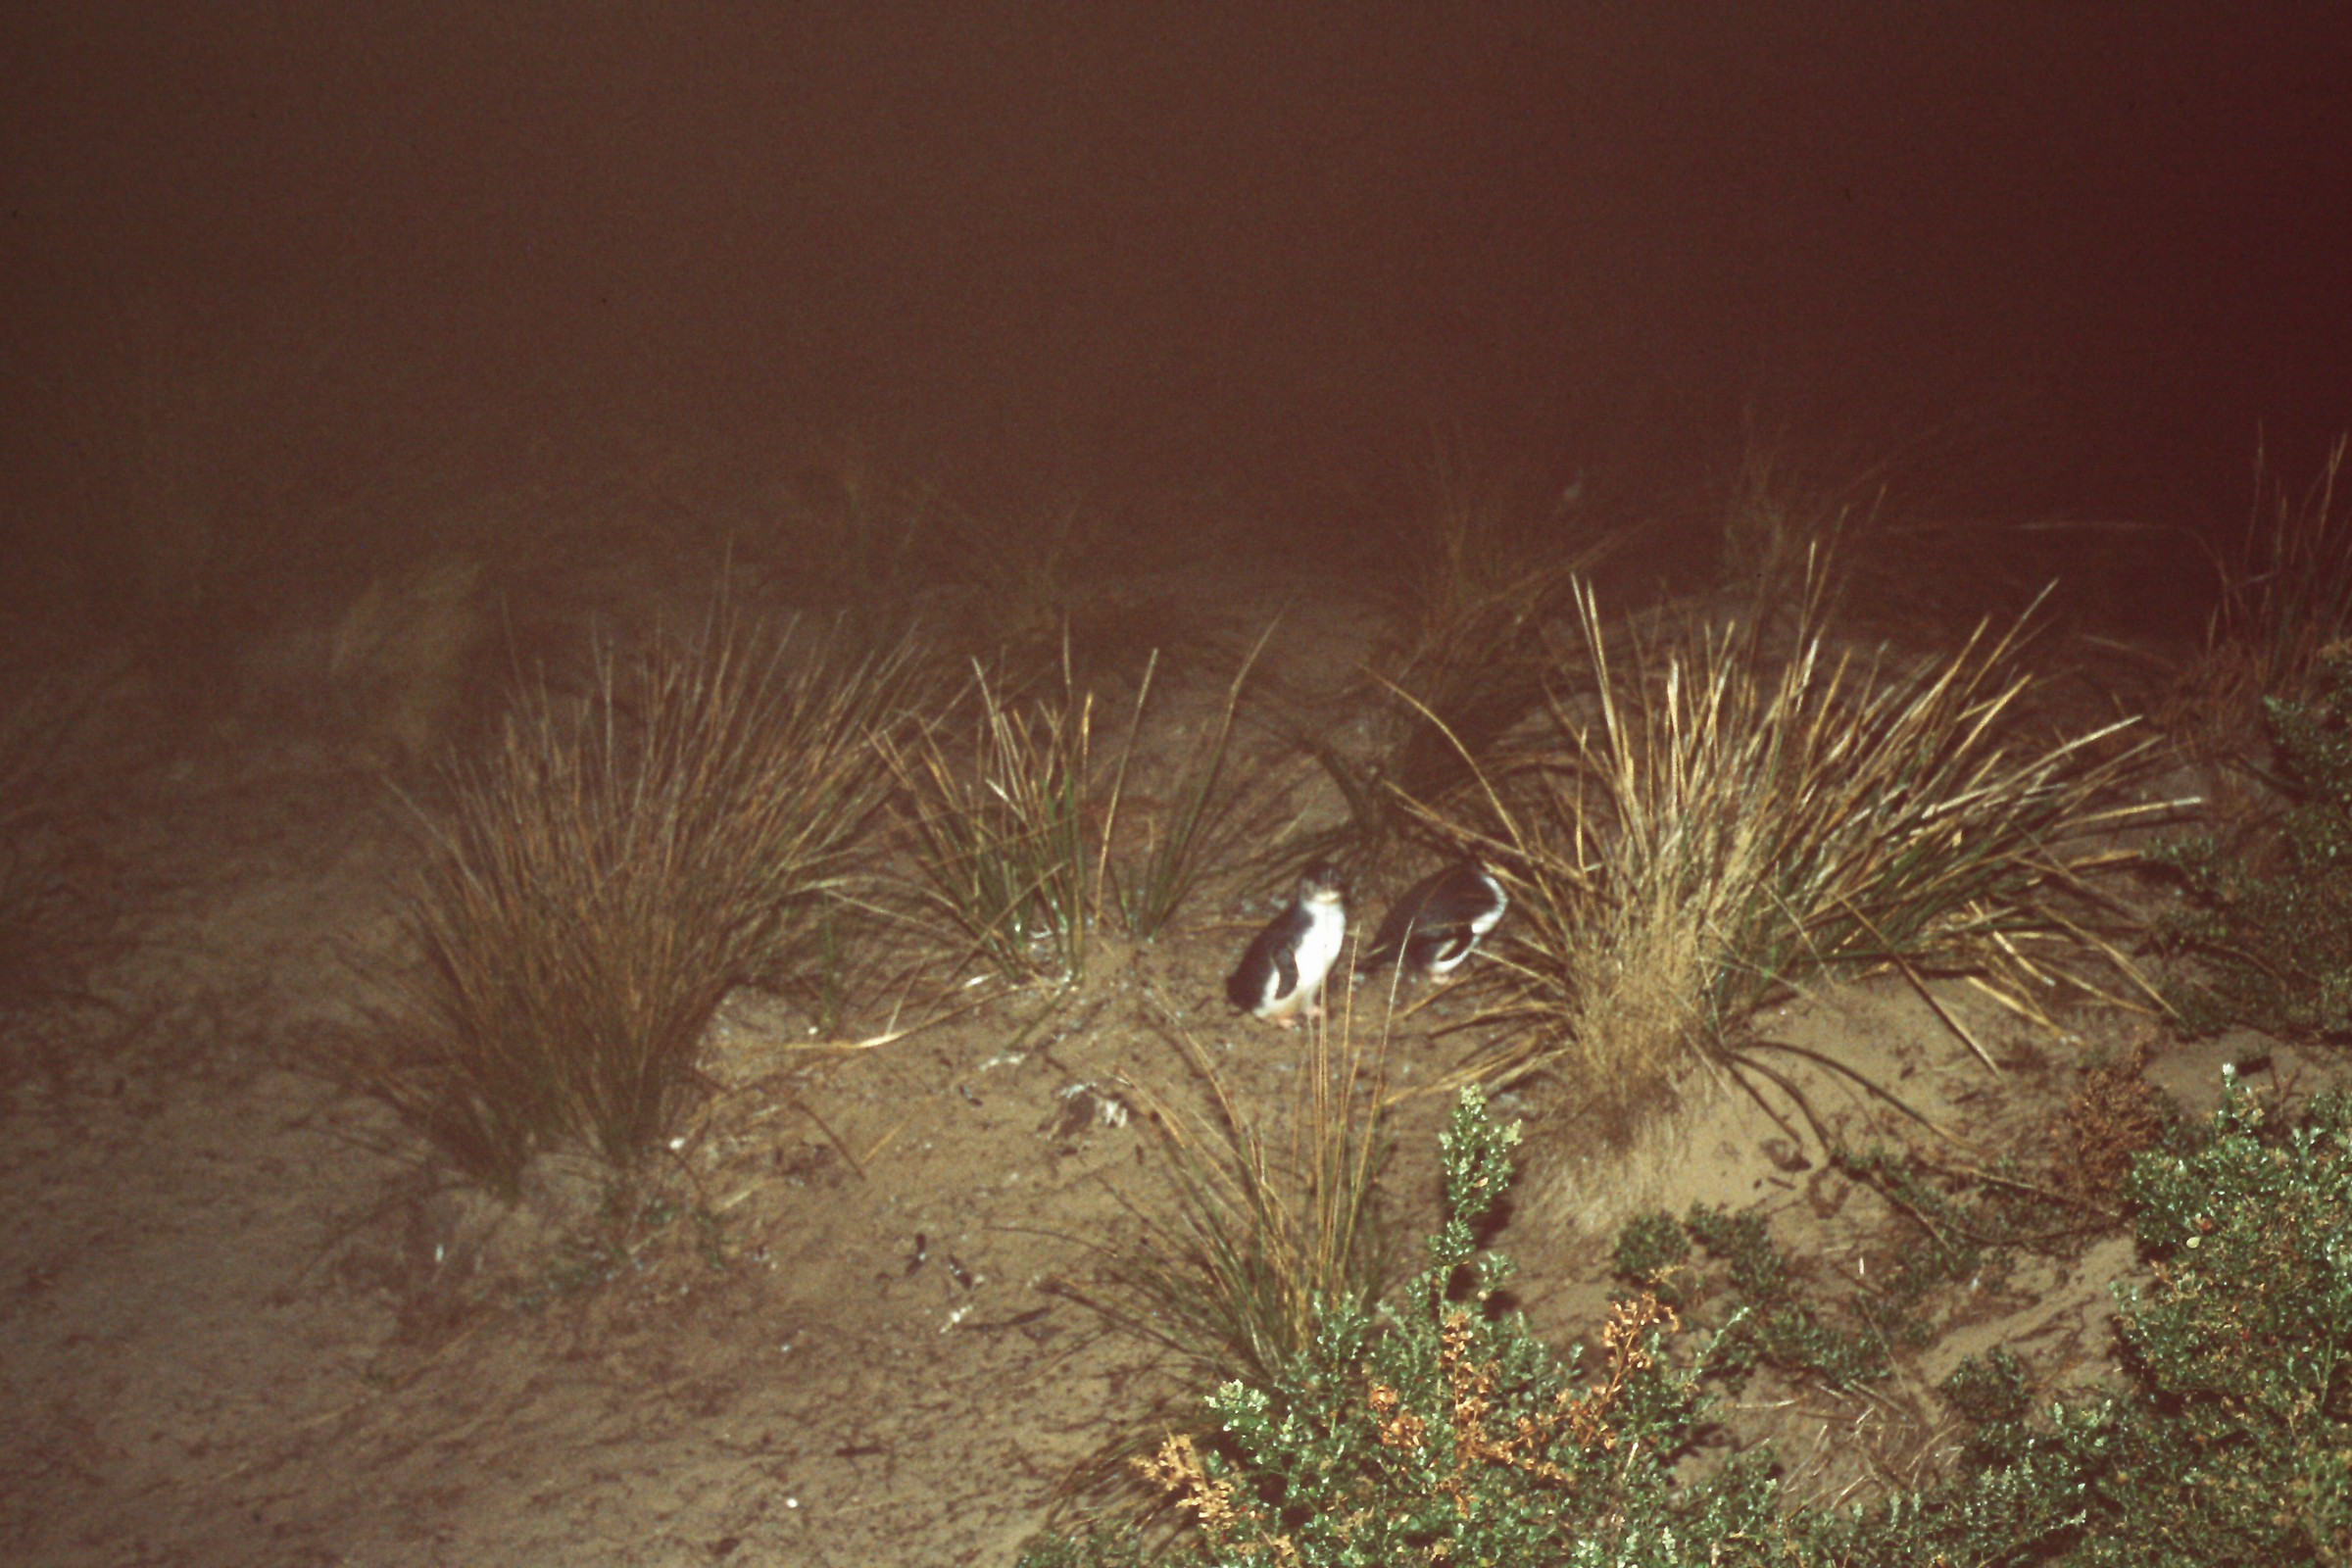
{"x":2101,"y":247}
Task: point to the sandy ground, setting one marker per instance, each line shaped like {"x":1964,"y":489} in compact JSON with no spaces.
{"x":246,"y":1323}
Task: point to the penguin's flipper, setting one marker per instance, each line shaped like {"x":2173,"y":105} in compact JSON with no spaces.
{"x":1394,"y":936}
{"x":1286,"y":969}
{"x":1450,"y":946}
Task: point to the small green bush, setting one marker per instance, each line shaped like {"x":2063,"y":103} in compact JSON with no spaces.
{"x":1443,"y":1431}
{"x":2232,"y":1442}
{"x":1772,"y":1324}
{"x":2274,"y":926}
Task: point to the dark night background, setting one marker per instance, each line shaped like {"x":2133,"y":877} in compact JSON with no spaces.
{"x":2097,"y":248}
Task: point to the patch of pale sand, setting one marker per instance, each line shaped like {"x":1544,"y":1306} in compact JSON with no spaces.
{"x":165,"y":1309}
{"x":1722,"y":1144}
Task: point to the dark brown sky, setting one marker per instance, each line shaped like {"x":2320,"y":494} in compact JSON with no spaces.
{"x":1179,"y":237}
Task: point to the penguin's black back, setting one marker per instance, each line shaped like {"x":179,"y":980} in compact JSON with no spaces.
{"x":1432,"y":917}
{"x":1274,"y":952}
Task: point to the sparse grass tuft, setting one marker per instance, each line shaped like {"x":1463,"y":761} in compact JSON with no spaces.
{"x":1024,"y":842}
{"x":1210,"y":812}
{"x":1269,"y":1228}
{"x":1480,"y":574}
{"x":2285,"y":601}
{"x":1002,"y":839}
{"x":593,"y":890}
{"x":1717,"y":826}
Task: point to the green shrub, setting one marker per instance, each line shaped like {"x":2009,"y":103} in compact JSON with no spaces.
{"x":1443,"y":1431}
{"x":1772,"y":1324}
{"x":2274,"y":923}
{"x":2232,"y":1442}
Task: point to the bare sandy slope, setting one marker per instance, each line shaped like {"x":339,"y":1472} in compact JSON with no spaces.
{"x":245,"y":1325}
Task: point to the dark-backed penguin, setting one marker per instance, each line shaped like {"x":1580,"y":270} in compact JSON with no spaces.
{"x":1281,"y":976}
{"x":1433,"y":927}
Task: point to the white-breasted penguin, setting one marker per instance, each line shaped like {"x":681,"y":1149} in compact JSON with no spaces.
{"x":1433,"y":927}
{"x":1281,"y":977}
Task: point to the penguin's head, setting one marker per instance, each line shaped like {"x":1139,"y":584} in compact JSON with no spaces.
{"x":1320,"y":883}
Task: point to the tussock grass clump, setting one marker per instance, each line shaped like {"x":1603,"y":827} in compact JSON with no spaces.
{"x":1270,"y":1223}
{"x":1001,"y":835}
{"x":1270,"y":1226}
{"x":593,"y":890}
{"x":1717,"y":825}
{"x":1024,"y":841}
{"x":2285,"y":601}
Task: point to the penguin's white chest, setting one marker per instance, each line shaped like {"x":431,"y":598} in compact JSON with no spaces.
{"x":1319,"y":946}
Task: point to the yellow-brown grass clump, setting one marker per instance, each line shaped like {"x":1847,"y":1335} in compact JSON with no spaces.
{"x":1712,"y":825}
{"x":593,"y":890}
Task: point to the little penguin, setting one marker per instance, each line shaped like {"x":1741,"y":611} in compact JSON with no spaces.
{"x":1433,"y":927}
{"x":1281,"y":976}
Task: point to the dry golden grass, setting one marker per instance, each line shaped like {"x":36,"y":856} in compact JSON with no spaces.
{"x":1025,"y":843}
{"x":1269,"y":1224}
{"x":2285,"y":601}
{"x":591,"y":892}
{"x":1714,"y":825}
